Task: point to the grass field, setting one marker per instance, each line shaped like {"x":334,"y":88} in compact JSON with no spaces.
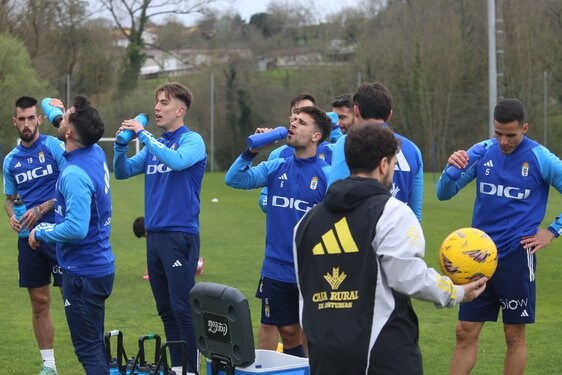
{"x":232,"y":236}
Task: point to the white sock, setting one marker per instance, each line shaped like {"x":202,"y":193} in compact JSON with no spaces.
{"x":48,"y":356}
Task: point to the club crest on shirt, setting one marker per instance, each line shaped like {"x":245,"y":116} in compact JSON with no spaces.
{"x":314,"y":183}
{"x":41,"y":157}
{"x":525,"y":169}
{"x":322,"y":156}
{"x":173,"y":147}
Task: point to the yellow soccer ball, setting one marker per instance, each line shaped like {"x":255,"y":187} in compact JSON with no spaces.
{"x":467,"y":254}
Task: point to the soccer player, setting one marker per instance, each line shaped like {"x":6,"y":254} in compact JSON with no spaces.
{"x":324,"y":150}
{"x":81,"y":232}
{"x":31,"y":170}
{"x":173,"y":165}
{"x":373,"y":105}
{"x":342,"y":105}
{"x":295,"y":184}
{"x":358,"y":258}
{"x":513,"y":175}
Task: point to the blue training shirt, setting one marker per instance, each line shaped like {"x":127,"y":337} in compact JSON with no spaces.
{"x":294,"y":186}
{"x":173,"y":166}
{"x":33,"y":172}
{"x":324,"y":152}
{"x":511,"y":192}
{"x":407,"y":184}
{"x":82,"y":215}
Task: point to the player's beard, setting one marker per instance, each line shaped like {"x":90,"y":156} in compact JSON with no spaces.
{"x":387,"y":178}
{"x":61,"y":134}
{"x":27,"y":136}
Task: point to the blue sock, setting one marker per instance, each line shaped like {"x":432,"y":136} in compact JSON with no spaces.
{"x":297,"y":351}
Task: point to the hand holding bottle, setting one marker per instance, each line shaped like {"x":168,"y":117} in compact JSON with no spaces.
{"x":53,"y":109}
{"x":129,"y":128}
{"x":265,"y":136}
{"x":460,"y":161}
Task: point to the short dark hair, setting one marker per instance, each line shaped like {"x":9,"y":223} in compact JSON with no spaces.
{"x":301,"y":97}
{"x":366,"y":145}
{"x":321,"y":120}
{"x":508,"y":110}
{"x":87,"y":121}
{"x":138,"y":227}
{"x":343,"y":100}
{"x":373,"y":101}
{"x":25,"y":102}
{"x":178,"y":91}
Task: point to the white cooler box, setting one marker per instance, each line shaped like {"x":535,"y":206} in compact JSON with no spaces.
{"x":271,"y":362}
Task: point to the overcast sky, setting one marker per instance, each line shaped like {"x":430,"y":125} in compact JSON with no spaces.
{"x":246,"y":8}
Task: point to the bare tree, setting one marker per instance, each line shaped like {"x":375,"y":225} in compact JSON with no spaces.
{"x":132,"y":18}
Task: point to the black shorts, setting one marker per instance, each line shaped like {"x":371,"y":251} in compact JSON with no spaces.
{"x":36,"y":266}
{"x":279,"y":302}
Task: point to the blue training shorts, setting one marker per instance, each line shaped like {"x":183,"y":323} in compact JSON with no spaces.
{"x":512,"y":288}
{"x":36,"y":266}
{"x":279,"y":302}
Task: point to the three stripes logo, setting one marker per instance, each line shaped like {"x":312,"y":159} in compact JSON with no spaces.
{"x":177,"y":263}
{"x":336,"y":241}
{"x":489,"y":163}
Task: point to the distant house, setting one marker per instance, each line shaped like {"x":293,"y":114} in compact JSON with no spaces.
{"x":340,"y":50}
{"x":176,"y":62}
{"x":148,"y":36}
{"x":289,"y":58}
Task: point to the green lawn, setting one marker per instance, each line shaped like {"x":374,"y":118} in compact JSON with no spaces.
{"x":232,"y":236}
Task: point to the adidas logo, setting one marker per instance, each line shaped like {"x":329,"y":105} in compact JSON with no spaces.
{"x":525,"y":314}
{"x":336,"y":241}
{"x":66,"y":303}
{"x":177,"y":263}
{"x":283,"y":177}
{"x":489,"y":163}
{"x":17,"y":165}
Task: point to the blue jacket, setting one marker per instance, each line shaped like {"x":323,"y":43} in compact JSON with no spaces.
{"x":407,"y":185}
{"x":511,"y":192}
{"x":82,"y":215}
{"x":324,"y":152}
{"x":33,"y":172}
{"x":294,"y":187}
{"x":174,"y":166}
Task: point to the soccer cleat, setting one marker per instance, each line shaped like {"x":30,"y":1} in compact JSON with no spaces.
{"x":48,"y":371}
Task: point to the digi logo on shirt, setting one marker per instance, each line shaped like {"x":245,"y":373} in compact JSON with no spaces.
{"x":504,"y":191}
{"x":157,"y":168}
{"x":34,"y":173}
{"x":292,"y":203}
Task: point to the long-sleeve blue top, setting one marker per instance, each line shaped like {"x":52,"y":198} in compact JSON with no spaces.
{"x":173,"y":166}
{"x":324,"y":152}
{"x":511,"y":192}
{"x":294,"y":186}
{"x":82,"y":215}
{"x":407,"y":184}
{"x":32,"y":172}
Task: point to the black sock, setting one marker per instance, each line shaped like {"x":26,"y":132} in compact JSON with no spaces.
{"x":297,"y":351}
